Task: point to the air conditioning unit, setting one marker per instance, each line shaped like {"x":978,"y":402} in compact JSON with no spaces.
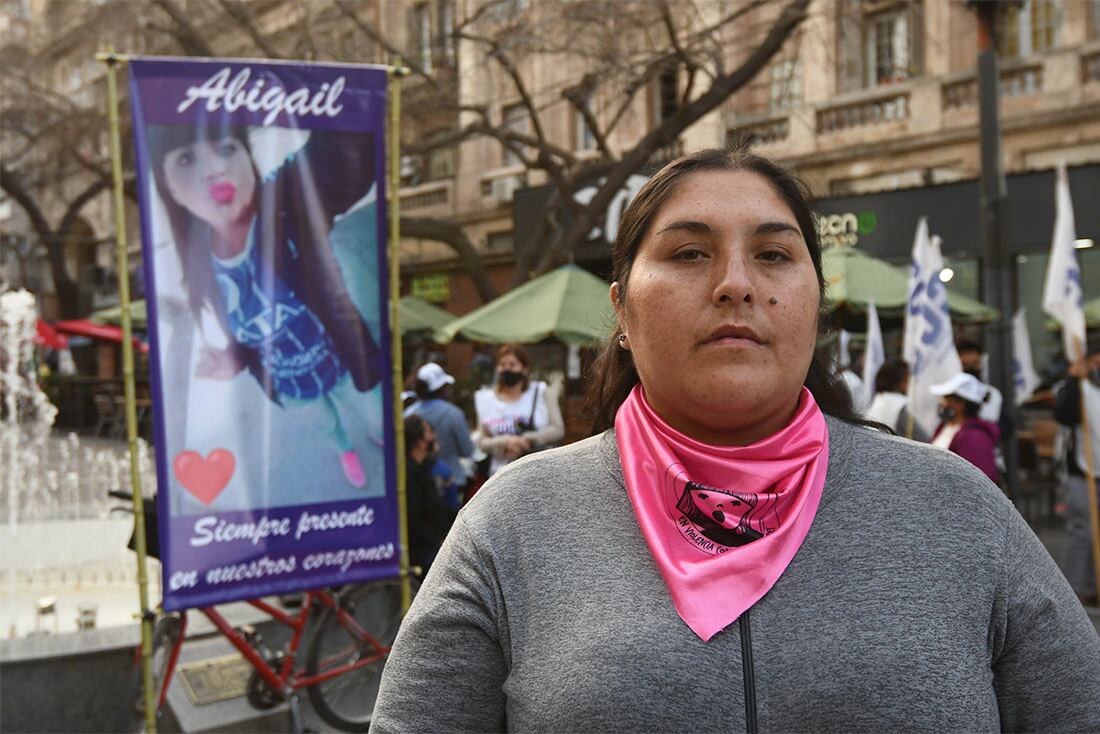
{"x":505,"y":187}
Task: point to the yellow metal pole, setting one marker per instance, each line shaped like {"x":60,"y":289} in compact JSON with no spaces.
{"x":123,"y":259}
{"x":393,"y":191}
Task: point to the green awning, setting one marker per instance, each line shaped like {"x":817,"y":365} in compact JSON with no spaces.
{"x":138,"y":317}
{"x":417,"y":316}
{"x":569,"y":304}
{"x":853,"y":279}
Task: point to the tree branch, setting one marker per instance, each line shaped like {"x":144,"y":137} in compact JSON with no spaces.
{"x":240,"y":15}
{"x":670,"y":129}
{"x":184,"y":31}
{"x":455,"y":237}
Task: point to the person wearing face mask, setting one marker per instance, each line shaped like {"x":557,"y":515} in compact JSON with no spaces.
{"x":1067,"y":411}
{"x":429,"y":516}
{"x":961,"y":430}
{"x":516,"y":415}
{"x":994,"y":408}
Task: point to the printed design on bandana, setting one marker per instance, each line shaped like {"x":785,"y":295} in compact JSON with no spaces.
{"x":715,"y":520}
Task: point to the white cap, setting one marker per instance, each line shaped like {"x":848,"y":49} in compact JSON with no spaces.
{"x":966,"y":386}
{"x":434,"y":376}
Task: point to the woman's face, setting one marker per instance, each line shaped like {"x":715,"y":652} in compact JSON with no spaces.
{"x":212,"y":180}
{"x":509,"y":363}
{"x":721,"y":309}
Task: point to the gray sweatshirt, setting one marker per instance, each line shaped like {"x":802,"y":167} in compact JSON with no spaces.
{"x":919,"y":601}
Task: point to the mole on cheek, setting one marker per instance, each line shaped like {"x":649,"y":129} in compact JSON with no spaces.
{"x":773,"y":300}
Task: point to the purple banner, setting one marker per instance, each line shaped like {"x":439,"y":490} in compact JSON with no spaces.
{"x":262,"y":195}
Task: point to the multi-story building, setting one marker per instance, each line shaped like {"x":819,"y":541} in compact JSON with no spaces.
{"x":874,"y":102}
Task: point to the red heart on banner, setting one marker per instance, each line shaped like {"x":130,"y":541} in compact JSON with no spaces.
{"x":204,"y":478}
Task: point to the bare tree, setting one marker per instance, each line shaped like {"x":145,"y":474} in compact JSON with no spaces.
{"x":621,"y":48}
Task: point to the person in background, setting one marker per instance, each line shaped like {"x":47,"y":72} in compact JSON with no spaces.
{"x":961,"y":431}
{"x":1067,"y":411}
{"x":850,"y":374}
{"x":890,"y":406}
{"x":516,"y":415}
{"x":429,"y":516}
{"x":432,"y":387}
{"x":734,"y":551}
{"x":993,"y":409}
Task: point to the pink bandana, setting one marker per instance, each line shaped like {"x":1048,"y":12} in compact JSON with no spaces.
{"x":722,"y":522}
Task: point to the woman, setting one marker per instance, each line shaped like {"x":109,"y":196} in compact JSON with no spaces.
{"x":891,"y":404}
{"x":433,"y":386}
{"x":516,"y":415}
{"x":257,"y":252}
{"x":961,"y":431}
{"x":734,"y":551}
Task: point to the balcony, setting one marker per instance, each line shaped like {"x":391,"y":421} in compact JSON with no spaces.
{"x":888,"y":105}
{"x":758,"y":131}
{"x":432,"y":199}
{"x":1090,"y":66}
{"x":1016,"y":81}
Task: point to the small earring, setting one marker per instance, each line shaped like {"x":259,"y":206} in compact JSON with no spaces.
{"x":622,"y":341}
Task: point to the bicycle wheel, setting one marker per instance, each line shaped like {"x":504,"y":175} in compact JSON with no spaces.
{"x":362,"y":634}
{"x":165,"y":634}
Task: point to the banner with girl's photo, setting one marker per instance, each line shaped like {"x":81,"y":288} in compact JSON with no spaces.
{"x":262,"y":195}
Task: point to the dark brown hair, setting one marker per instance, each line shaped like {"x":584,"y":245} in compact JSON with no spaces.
{"x":615,"y":375}
{"x":192,"y":236}
{"x":891,"y":375}
{"x":519,"y":353}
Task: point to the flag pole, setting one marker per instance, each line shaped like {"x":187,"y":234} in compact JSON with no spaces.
{"x":393,"y":191}
{"x":1090,"y":475}
{"x":111,"y":60}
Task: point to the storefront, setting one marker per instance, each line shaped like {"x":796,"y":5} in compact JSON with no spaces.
{"x":883,"y":225}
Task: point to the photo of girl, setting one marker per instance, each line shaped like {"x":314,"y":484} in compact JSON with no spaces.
{"x":277,"y":295}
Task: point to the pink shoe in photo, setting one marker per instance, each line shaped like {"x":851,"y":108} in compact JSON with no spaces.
{"x":353,"y":470}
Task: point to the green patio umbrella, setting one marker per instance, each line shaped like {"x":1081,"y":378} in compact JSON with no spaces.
{"x":138,"y":317}
{"x":569,"y":304}
{"x":418,"y":317}
{"x":853,"y":279}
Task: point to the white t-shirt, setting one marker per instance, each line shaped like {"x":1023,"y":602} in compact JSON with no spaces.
{"x":502,"y":418}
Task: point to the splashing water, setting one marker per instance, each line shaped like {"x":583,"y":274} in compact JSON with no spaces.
{"x":59,"y":536}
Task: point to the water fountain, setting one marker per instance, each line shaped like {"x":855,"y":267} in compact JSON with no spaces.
{"x":58,"y":535}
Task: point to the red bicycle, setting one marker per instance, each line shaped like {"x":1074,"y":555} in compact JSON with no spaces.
{"x":343,"y":664}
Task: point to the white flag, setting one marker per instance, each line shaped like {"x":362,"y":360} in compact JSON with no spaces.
{"x":874,"y":355}
{"x":1062,"y":296}
{"x":1023,"y":370}
{"x":929,"y":345}
{"x":844,"y":356}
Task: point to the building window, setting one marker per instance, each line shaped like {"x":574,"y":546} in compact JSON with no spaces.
{"x":878,"y":42}
{"x":666,"y":94}
{"x":420,"y":35}
{"x":1094,"y":18}
{"x":441,"y":164}
{"x":785,"y":87}
{"x":500,"y":242}
{"x":583,"y":137}
{"x":445,"y":17}
{"x":515,"y":119}
{"x":889,"y":58}
{"x":1033,"y":27}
